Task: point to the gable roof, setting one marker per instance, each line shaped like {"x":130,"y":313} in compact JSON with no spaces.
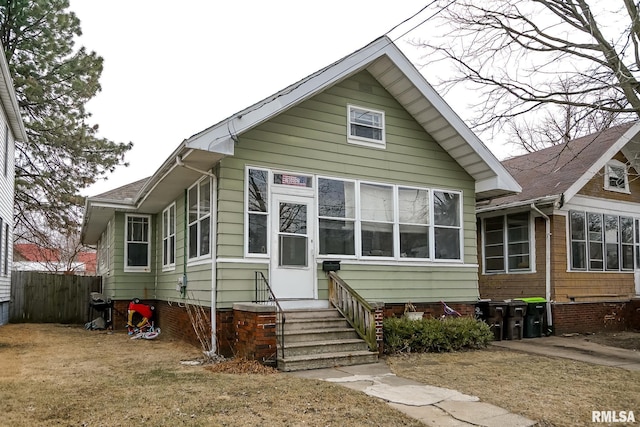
{"x":557,"y":173}
{"x":386,"y":63}
{"x":391,"y":68}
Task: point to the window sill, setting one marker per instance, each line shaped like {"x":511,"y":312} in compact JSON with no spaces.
{"x":137,"y":269}
{"x":371,"y":143}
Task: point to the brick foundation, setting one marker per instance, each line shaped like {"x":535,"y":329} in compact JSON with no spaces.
{"x":255,"y":327}
{"x":595,"y":316}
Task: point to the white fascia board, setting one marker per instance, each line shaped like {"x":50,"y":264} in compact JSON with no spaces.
{"x":602,"y":161}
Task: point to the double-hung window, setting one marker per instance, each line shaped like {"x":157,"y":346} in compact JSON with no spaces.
{"x":507,"y":244}
{"x":377,"y":218}
{"x":336,"y":216}
{"x":169,"y":237}
{"x":366,"y":126}
{"x":602,"y":241}
{"x":138,"y":241}
{"x":257,"y":213}
{"x":414,"y":214}
{"x":199,"y":219}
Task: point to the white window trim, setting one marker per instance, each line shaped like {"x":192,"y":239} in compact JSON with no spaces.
{"x":367,"y":142}
{"x":195,"y":260}
{"x":170,"y":266}
{"x":607,"y":174}
{"x":137,"y":269}
{"x":248,"y":254}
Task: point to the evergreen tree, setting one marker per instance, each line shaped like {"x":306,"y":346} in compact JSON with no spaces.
{"x":54,"y":80}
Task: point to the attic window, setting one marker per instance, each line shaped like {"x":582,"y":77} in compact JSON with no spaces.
{"x":615,"y":177}
{"x":366,"y":126}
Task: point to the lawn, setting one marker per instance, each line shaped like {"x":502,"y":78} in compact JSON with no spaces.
{"x":55,"y":375}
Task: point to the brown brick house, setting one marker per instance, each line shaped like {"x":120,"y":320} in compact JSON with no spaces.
{"x":572,"y":235}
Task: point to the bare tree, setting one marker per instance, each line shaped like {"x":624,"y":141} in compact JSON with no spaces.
{"x":568,"y":60}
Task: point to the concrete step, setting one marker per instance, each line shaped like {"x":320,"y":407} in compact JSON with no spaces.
{"x":298,"y":324}
{"x":326,"y":360}
{"x":323,"y":334}
{"x":321,"y":313}
{"x":319,"y":347}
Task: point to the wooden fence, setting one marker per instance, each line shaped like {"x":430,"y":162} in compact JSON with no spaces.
{"x":50,"y":298}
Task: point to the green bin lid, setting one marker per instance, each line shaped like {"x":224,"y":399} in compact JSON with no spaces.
{"x":532,"y":300}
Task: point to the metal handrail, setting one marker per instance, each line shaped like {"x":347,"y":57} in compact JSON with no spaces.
{"x":358,"y":311}
{"x":264,"y":295}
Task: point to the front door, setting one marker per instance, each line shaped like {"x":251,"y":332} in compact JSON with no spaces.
{"x":292,"y":273}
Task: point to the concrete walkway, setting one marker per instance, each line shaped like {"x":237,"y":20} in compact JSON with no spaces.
{"x":434,"y":406}
{"x":576,"y":348}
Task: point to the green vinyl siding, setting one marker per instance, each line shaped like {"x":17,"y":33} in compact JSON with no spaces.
{"x":128,"y":285}
{"x":236,"y":282}
{"x":311,"y":138}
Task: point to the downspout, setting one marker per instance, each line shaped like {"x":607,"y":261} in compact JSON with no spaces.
{"x":214,"y":264}
{"x":547,"y":222}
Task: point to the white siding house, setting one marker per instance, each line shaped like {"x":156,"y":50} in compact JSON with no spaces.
{"x":11,"y":129}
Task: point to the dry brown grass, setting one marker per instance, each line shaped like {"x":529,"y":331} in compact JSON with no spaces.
{"x":554,"y":391}
{"x":53,"y":375}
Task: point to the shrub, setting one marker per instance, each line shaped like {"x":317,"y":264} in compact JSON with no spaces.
{"x":402,"y":335}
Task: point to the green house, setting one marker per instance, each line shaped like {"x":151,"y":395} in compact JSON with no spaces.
{"x":360,"y":167}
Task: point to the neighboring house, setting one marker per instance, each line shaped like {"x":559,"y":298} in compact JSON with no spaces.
{"x":362,"y":162}
{"x":11,"y":129}
{"x":572,"y":235}
{"x":31,"y":257}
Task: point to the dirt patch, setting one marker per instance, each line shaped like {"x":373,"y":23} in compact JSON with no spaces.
{"x":628,"y":340}
{"x":53,"y":375}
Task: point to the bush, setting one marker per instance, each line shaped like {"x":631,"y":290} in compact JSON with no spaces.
{"x":402,"y":335}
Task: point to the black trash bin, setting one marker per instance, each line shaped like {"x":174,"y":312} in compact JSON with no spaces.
{"x":534,"y":318}
{"x":493,"y":313}
{"x":514,"y":323}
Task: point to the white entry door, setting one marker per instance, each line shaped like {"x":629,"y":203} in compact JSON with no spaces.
{"x":293,"y":264}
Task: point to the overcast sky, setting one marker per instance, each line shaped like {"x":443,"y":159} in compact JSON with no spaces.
{"x":172,"y":69}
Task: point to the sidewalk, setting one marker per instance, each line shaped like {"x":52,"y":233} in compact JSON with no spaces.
{"x":434,"y":406}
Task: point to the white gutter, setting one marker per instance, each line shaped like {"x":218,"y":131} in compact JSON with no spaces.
{"x":547,"y":280}
{"x":520,"y":203}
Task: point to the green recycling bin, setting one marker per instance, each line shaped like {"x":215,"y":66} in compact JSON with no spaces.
{"x":534,"y":317}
